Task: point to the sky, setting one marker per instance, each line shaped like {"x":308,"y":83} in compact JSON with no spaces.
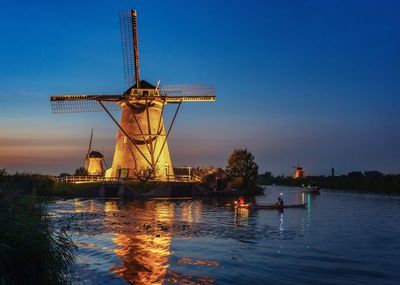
{"x":315,"y":82}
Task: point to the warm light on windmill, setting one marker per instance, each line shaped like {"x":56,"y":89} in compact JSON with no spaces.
{"x":142,"y":139}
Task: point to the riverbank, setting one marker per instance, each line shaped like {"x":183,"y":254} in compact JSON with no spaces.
{"x":136,"y":190}
{"x":356,"y":181}
{"x":46,"y":186}
{"x":131,"y":190}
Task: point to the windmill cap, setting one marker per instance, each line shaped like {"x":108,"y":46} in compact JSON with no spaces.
{"x":143,"y":85}
{"x":95,"y":154}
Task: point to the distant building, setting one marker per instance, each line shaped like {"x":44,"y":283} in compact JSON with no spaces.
{"x":298,"y":173}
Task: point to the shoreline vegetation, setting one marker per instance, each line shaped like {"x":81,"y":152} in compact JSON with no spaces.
{"x":22,"y":184}
{"x":31,"y":251}
{"x":368,"y":181}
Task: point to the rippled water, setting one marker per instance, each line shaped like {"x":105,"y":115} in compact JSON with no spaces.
{"x":342,"y":238}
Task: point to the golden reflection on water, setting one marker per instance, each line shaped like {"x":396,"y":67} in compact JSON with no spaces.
{"x":110,"y":206}
{"x":241,"y":217}
{"x":185,"y":261}
{"x":144,"y":255}
{"x":85,"y":206}
{"x":191,"y":212}
{"x":143,"y":233}
{"x":79,"y":207}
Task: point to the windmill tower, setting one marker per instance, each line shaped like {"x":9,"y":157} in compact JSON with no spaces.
{"x":298,"y":171}
{"x":93,"y":160}
{"x":142,"y":139}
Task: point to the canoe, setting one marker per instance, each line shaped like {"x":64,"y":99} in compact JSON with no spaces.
{"x":269,"y":206}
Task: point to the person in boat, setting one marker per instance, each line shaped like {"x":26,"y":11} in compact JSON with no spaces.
{"x":241,"y":200}
{"x":279,"y":203}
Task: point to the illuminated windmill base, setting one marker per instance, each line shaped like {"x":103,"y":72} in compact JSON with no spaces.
{"x":141,"y":141}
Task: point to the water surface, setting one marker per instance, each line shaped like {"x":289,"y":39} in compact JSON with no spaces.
{"x":341,"y":238}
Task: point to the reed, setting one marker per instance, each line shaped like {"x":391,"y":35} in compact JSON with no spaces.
{"x":31,"y":251}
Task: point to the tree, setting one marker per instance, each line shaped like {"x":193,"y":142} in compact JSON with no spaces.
{"x":3,"y":175}
{"x":80,"y":171}
{"x":241,"y":164}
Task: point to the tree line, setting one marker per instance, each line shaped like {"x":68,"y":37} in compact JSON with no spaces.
{"x":370,"y":181}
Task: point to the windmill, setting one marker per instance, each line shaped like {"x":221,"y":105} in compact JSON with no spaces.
{"x":298,"y":171}
{"x":93,"y":160}
{"x":142,"y":139}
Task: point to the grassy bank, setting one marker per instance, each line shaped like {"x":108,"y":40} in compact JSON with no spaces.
{"x":31,"y":252}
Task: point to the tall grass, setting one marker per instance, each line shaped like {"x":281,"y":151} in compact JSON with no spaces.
{"x":31,"y":252}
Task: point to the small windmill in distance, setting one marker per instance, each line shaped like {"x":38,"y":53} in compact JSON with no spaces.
{"x":94,"y":160}
{"x":299,"y":171}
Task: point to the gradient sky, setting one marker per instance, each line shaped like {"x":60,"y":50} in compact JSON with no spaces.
{"x":315,"y":81}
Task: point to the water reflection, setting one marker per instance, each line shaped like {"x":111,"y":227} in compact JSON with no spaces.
{"x":134,"y":238}
{"x":241,"y":217}
{"x":281,"y":223}
{"x":143,"y":236}
{"x":206,"y":242}
{"x":144,"y":255}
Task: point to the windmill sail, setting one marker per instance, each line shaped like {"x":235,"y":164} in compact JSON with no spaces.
{"x":170,"y":94}
{"x":83,"y":103}
{"x":90,"y":143}
{"x":130,"y":47}
{"x":185,"y":90}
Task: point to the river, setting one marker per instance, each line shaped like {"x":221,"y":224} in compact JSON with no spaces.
{"x":342,"y":237}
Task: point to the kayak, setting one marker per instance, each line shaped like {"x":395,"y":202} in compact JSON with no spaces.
{"x":269,"y":206}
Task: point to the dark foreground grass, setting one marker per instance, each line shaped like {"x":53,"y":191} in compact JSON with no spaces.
{"x":30,"y":251}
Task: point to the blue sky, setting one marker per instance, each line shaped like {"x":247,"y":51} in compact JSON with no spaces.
{"x":315,"y":81}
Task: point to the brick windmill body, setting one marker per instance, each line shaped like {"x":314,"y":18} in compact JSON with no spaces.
{"x":142,"y":138}
{"x":142,"y":120}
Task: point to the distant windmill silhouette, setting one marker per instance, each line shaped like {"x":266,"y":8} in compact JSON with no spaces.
{"x":299,"y":171}
{"x":94,"y":160}
{"x":142,"y":136}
